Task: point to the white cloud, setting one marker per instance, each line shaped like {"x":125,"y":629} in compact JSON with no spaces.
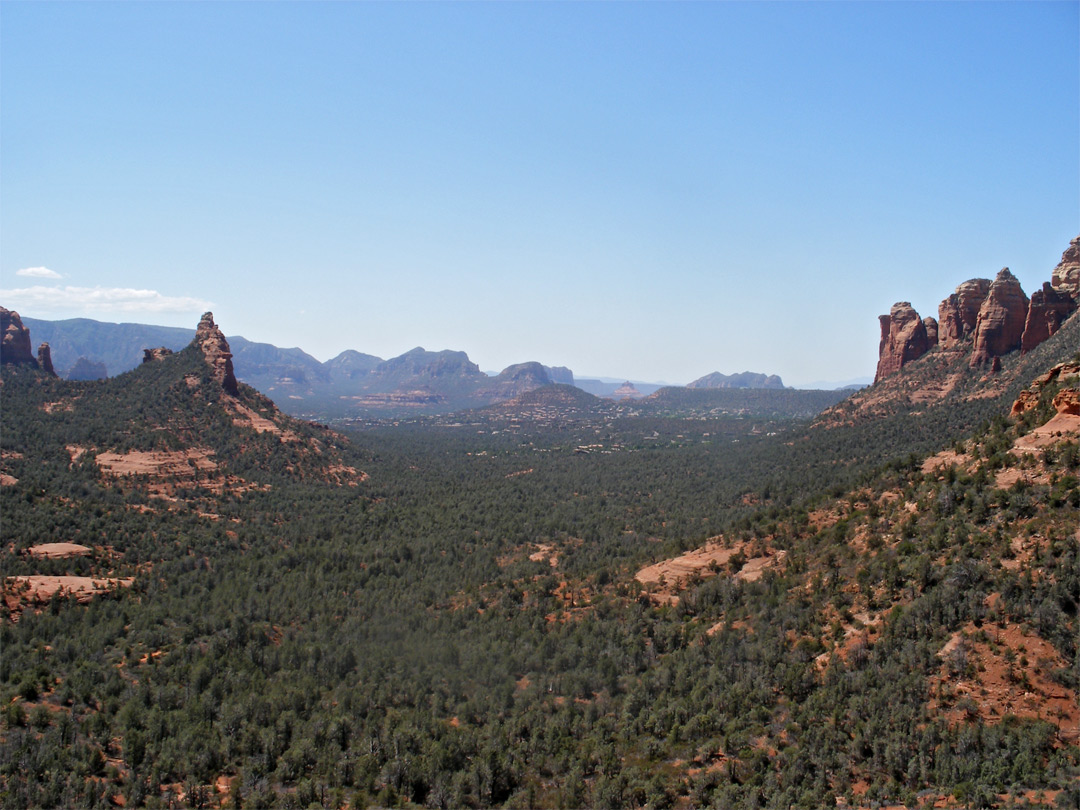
{"x":38,"y":272}
{"x":98,"y":299}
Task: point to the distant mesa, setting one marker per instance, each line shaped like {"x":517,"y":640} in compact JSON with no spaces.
{"x":989,"y":318}
{"x":560,"y":375}
{"x":85,"y":370}
{"x":747,"y":379}
{"x":627,"y":391}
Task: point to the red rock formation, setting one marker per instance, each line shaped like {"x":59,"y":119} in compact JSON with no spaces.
{"x":903,"y":339}
{"x":44,"y":358}
{"x":1001,"y":319}
{"x":15,"y":346}
{"x":1049,"y":309}
{"x":931,"y":327}
{"x":154,"y":355}
{"x":1066,"y":401}
{"x":1066,"y":276}
{"x":215,"y":349}
{"x":958,"y":314}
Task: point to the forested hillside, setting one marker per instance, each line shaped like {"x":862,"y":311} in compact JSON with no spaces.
{"x":535,"y":607}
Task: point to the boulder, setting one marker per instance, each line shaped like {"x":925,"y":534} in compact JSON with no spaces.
{"x":1000,"y":325}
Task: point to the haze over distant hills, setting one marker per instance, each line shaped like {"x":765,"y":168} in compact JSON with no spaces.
{"x":416,"y":381}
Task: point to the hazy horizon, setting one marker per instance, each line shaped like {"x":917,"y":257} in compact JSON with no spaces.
{"x":654,"y":190}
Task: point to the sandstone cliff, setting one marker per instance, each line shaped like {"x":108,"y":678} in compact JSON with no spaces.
{"x":1002,"y":315}
{"x":903,"y":339}
{"x":44,"y":358}
{"x":1066,"y":276}
{"x":958,"y":314}
{"x":15,"y":347}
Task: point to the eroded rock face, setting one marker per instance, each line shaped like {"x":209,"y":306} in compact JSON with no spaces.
{"x":931,"y":327}
{"x":211,"y":342}
{"x":958,"y":314}
{"x":1002,"y":316}
{"x":903,"y":339}
{"x":15,"y":347}
{"x":154,"y":355}
{"x":1066,"y":276}
{"x":1049,"y":308}
{"x":1066,"y":401}
{"x":44,"y":358}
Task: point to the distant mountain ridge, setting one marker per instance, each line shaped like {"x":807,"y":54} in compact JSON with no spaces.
{"x":746,"y":379}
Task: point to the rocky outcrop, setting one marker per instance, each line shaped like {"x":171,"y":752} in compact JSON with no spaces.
{"x":1065,"y":277}
{"x":154,"y":355}
{"x":627,"y":391}
{"x":958,"y":314}
{"x":1066,"y":400}
{"x":211,"y":342}
{"x":903,"y":339}
{"x":15,"y":348}
{"x":931,"y":327}
{"x":1000,"y":326}
{"x":44,"y":358}
{"x":1049,"y":308}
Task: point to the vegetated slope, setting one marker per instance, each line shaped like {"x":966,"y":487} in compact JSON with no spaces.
{"x":773,"y":402}
{"x":467,"y":629}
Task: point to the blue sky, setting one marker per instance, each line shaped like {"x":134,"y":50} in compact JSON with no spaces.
{"x":647,"y":190}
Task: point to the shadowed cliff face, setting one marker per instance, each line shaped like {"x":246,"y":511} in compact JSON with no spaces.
{"x":16,"y":340}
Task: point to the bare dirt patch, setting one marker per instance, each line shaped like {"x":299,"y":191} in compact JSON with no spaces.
{"x":8,"y":480}
{"x":1062,"y":427}
{"x":66,"y":405}
{"x":545,"y":551}
{"x":946,"y":459}
{"x":58,"y":551}
{"x":997,"y":671}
